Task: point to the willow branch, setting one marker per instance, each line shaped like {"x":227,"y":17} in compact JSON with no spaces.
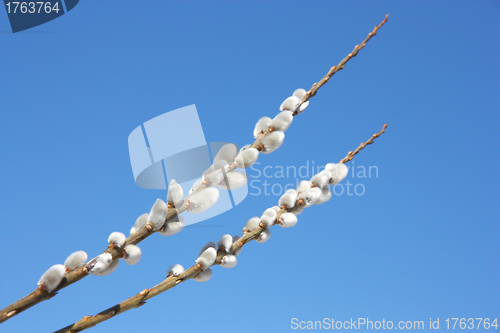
{"x":71,"y":277}
{"x":340,"y":66}
{"x":351,"y":154}
{"x":172,"y":281}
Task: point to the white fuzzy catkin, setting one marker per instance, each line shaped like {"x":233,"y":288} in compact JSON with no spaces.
{"x":224,"y":243}
{"x":302,"y":107}
{"x":237,"y":252}
{"x":251,"y":225}
{"x":268,"y":217}
{"x":158,"y":214}
{"x":326,"y":195}
{"x":52,"y":278}
{"x":175,"y":193}
{"x":235,"y":179}
{"x":110,"y":269}
{"x":321,"y":179}
{"x":206,"y":246}
{"x":75,"y":260}
{"x":290,"y":104}
{"x":300,"y":94}
{"x":276,"y":208}
{"x":117,"y":239}
{"x":262,"y":126}
{"x":310,"y":196}
{"x":207,"y":258}
{"x":228,"y":261}
{"x":288,"y":199}
{"x":272,"y":142}
{"x":175,"y":270}
{"x":203,"y":276}
{"x":304,"y":185}
{"x":141,"y":222}
{"x":287,"y":220}
{"x":132,"y":254}
{"x":282,"y":121}
{"x":195,"y":185}
{"x":201,"y":201}
{"x":173,"y":226}
{"x":213,"y":176}
{"x":225,"y":153}
{"x":338,"y":171}
{"x":264,"y":236}
{"x":99,"y":264}
{"x":246,"y":158}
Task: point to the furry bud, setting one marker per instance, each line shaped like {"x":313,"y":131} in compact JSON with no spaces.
{"x":206,"y":246}
{"x":99,"y":264}
{"x":338,"y":171}
{"x":251,"y":225}
{"x":235,"y":179}
{"x":140,"y":223}
{"x":282,"y":121}
{"x":110,"y":269}
{"x":321,"y":179}
{"x":207,"y":258}
{"x":173,"y":226}
{"x":132,"y":254}
{"x":235,"y":239}
{"x":224,"y":243}
{"x":272,"y":142}
{"x":116,"y":239}
{"x":300,"y":94}
{"x":268,"y":217}
{"x":246,"y":158}
{"x":288,"y":199}
{"x":195,"y":185}
{"x":287,"y":220}
{"x":158,"y":214}
{"x":326,"y":195}
{"x":225,"y":153}
{"x":262,"y":126}
{"x":203,"y":276}
{"x":75,"y":260}
{"x":213,"y":176}
{"x":52,"y":278}
{"x":201,"y":201}
{"x":290,"y":104}
{"x":276,"y":209}
{"x":175,"y":270}
{"x":308,"y":197}
{"x":304,"y":185}
{"x":175,"y":193}
{"x":264,"y":236}
{"x":298,"y":210}
{"x":228,"y":261}
{"x":302,"y":107}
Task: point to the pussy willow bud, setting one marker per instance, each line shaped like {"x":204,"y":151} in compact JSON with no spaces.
{"x":116,"y":239}
{"x":158,"y":214}
{"x":235,"y":179}
{"x":207,"y":258}
{"x":338,"y":171}
{"x":282,"y":121}
{"x":52,"y":278}
{"x":262,"y":126}
{"x":175,"y":193}
{"x":75,"y":260}
{"x":132,"y":254}
{"x":201,"y":201}
{"x":246,"y":158}
{"x":272,"y":142}
{"x":141,"y":222}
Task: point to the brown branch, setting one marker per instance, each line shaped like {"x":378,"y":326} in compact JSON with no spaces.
{"x":351,"y":154}
{"x":172,"y":281}
{"x":38,"y":295}
{"x":341,"y":64}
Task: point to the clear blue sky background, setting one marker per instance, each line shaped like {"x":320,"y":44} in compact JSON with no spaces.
{"x":420,"y":243}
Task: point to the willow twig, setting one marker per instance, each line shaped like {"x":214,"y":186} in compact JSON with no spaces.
{"x":172,"y":281}
{"x":71,"y":277}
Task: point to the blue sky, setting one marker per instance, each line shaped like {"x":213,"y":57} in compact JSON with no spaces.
{"x":421,"y":242}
